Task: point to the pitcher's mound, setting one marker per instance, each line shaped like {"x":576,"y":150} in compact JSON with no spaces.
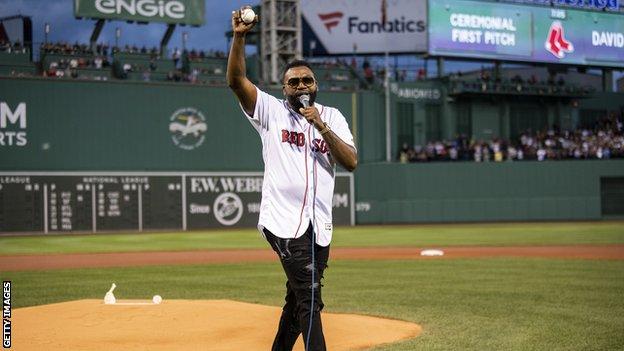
{"x":222,"y":325}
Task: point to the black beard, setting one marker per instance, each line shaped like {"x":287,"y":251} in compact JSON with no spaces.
{"x":293,"y":100}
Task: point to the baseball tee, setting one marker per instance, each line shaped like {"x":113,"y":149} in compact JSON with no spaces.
{"x":299,"y":171}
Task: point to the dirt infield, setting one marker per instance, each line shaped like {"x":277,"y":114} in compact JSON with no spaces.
{"x":128,"y":259}
{"x":217,"y":325}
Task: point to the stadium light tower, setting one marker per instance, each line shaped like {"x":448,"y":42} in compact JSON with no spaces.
{"x":280,"y":36}
{"x":117,"y":36}
{"x":312,"y":47}
{"x":46,"y":30}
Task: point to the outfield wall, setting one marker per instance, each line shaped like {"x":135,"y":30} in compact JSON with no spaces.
{"x":90,"y":126}
{"x":465,"y":192}
{"x":73,"y":125}
{"x":60,"y":125}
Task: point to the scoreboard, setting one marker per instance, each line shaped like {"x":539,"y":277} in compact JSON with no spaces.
{"x":510,"y":32}
{"x":104,"y":202}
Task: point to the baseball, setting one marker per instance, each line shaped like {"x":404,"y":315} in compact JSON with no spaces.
{"x":157,"y":299}
{"x":248,"y":15}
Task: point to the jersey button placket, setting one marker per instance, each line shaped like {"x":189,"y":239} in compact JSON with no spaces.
{"x":312,"y":188}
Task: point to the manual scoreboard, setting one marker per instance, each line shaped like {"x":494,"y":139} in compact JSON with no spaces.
{"x":105,"y":202}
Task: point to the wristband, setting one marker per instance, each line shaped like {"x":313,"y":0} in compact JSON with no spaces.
{"x":325,"y":130}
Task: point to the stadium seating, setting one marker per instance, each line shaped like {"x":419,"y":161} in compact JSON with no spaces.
{"x":16,"y":63}
{"x":334,"y":76}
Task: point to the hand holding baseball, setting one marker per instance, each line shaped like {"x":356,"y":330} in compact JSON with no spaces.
{"x":243,"y":20}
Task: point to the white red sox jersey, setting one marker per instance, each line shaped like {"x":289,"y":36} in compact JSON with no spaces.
{"x":298,"y":184}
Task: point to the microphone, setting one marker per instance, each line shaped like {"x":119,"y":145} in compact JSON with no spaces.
{"x":305,"y":100}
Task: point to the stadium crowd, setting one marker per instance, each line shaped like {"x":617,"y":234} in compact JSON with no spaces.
{"x":102,"y":56}
{"x":9,"y":47}
{"x":604,"y":141}
{"x":76,"y":49}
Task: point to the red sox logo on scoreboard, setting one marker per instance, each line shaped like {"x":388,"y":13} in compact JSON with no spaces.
{"x":556,"y":43}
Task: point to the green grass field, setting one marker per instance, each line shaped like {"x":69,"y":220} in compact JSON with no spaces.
{"x":504,"y":234}
{"x":462,"y":304}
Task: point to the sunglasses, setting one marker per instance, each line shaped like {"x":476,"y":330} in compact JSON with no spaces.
{"x":294,"y":82}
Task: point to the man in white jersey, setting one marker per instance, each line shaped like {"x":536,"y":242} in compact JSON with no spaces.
{"x":301,"y":143}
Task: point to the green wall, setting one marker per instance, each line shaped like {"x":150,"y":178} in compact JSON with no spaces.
{"x":124,"y":126}
{"x":464,"y":192}
{"x":370,"y":127}
{"x":422,"y":96}
{"x":88,"y":125}
{"x":93,"y":125}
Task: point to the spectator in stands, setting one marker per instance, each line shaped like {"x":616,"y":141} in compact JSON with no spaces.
{"x":485,"y":149}
{"x":404,"y":153}
{"x":176,"y":57}
{"x":517,"y":81}
{"x":485,"y":79}
{"x":485,"y":75}
{"x":194,"y":76}
{"x":497,"y":149}
{"x":381,"y":73}
{"x":453,"y":152}
{"x":532,"y":80}
{"x":422,"y":74}
{"x":604,"y":140}
{"x":551,"y":79}
{"x":403,"y":75}
{"x":512,"y":153}
{"x":478,"y":152}
{"x":369,"y":76}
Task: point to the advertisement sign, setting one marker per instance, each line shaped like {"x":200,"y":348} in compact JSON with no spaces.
{"x":13,"y":126}
{"x":416,"y":91}
{"x":522,"y":33}
{"x":597,"y":5}
{"x":359,"y":26}
{"x":225,"y":200}
{"x":168,"y":11}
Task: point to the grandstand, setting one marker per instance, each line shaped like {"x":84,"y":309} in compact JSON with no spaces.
{"x":61,"y":60}
{"x":15,"y":60}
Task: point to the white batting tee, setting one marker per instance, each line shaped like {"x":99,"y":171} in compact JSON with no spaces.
{"x":298,"y":184}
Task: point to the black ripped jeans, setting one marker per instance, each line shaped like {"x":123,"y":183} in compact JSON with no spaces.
{"x":296,"y":258}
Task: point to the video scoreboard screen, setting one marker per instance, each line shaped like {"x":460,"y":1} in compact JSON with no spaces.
{"x":473,"y":29}
{"x":85,"y":202}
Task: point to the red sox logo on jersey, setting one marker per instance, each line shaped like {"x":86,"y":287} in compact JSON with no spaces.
{"x":298,"y":139}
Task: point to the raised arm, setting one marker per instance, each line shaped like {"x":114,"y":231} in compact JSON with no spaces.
{"x":237,"y":80}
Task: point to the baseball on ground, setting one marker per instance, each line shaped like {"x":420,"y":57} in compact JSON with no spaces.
{"x":157,"y":299}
